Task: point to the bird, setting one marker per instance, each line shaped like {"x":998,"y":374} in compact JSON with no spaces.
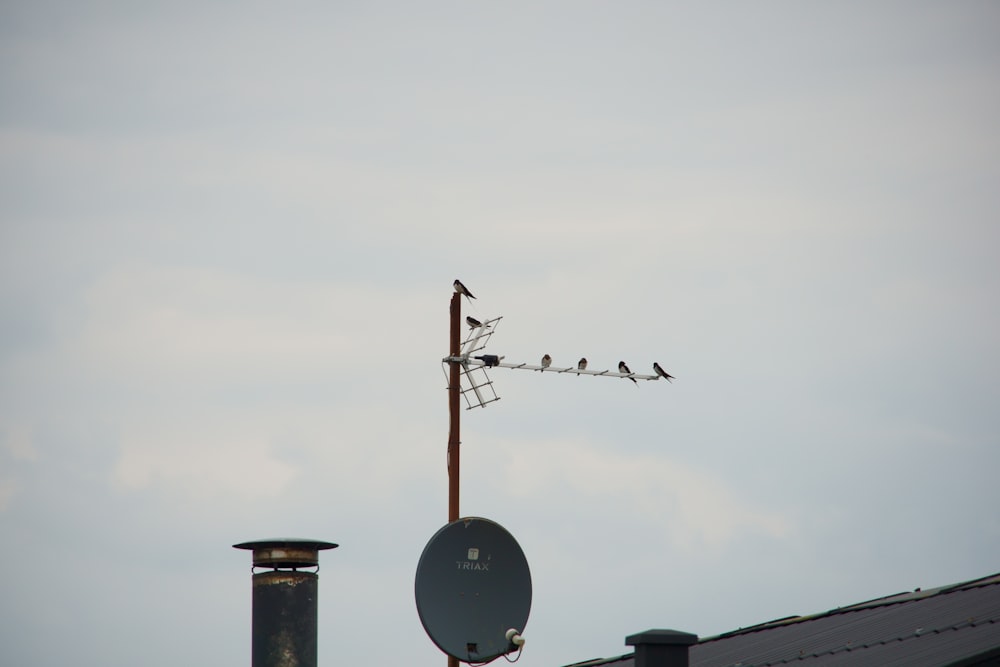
{"x":662,"y":373}
{"x":462,"y":289}
{"x":622,"y":368}
{"x":473,"y":322}
{"x":546,"y":361}
{"x":582,"y":364}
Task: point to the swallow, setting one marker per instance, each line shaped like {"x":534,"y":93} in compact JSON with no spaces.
{"x":662,"y":373}
{"x":546,"y":361}
{"x":473,"y":322}
{"x":462,"y":289}
{"x":582,"y":364}
{"x":622,"y":368}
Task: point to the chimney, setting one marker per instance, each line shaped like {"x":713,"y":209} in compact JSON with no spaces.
{"x":284,"y":601}
{"x":661,"y":648}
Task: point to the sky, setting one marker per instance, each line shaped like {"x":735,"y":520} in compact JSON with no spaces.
{"x":228,"y":235}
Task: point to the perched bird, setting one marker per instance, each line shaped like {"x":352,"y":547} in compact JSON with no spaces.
{"x":622,"y":368}
{"x":546,"y":361}
{"x":489,"y":360}
{"x":473,"y":322}
{"x":662,"y":373}
{"x":582,"y":364}
{"x":462,"y":289}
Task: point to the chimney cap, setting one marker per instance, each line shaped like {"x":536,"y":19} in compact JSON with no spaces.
{"x":285,"y":552}
{"x":661,"y":637}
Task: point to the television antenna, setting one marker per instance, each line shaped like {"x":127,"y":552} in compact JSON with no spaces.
{"x":476,"y":386}
{"x":468,"y":378}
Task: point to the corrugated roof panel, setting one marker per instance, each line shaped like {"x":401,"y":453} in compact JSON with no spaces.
{"x":900,"y":624}
{"x":927,"y":651}
{"x":926,"y":629}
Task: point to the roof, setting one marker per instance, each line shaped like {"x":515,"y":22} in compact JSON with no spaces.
{"x":957,"y":625}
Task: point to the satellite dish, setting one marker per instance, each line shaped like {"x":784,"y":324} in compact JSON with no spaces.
{"x":473,"y":586}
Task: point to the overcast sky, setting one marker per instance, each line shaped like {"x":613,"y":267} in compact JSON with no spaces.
{"x":229,"y":233}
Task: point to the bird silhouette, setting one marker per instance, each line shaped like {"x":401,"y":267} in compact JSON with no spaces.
{"x":473,"y":322}
{"x":622,"y":368}
{"x":546,"y":361}
{"x":462,"y":289}
{"x":582,"y":364}
{"x":662,"y":373}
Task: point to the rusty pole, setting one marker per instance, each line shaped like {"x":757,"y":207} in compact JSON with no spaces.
{"x":454,"y":407}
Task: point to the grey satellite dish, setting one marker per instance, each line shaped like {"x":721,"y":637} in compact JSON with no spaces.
{"x":473,"y":590}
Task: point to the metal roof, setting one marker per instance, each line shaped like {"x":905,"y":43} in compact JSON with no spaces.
{"x":951,"y":625}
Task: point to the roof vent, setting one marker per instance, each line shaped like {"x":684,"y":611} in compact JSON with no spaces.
{"x":661,"y":648}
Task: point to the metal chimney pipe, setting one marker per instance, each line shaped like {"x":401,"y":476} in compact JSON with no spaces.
{"x":284,"y":601}
{"x":661,"y":648}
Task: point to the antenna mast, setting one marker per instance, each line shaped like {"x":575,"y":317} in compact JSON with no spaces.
{"x":479,"y":392}
{"x":454,"y":392}
{"x":454,"y":415}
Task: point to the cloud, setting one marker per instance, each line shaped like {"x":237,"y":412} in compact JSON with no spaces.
{"x":683,"y":506}
{"x":17,"y":443}
{"x":16,"y":446}
{"x":162,"y":322}
{"x":235,"y":462}
{"x":8,"y":487}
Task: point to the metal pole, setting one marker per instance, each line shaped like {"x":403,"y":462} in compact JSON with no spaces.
{"x":454,"y":407}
